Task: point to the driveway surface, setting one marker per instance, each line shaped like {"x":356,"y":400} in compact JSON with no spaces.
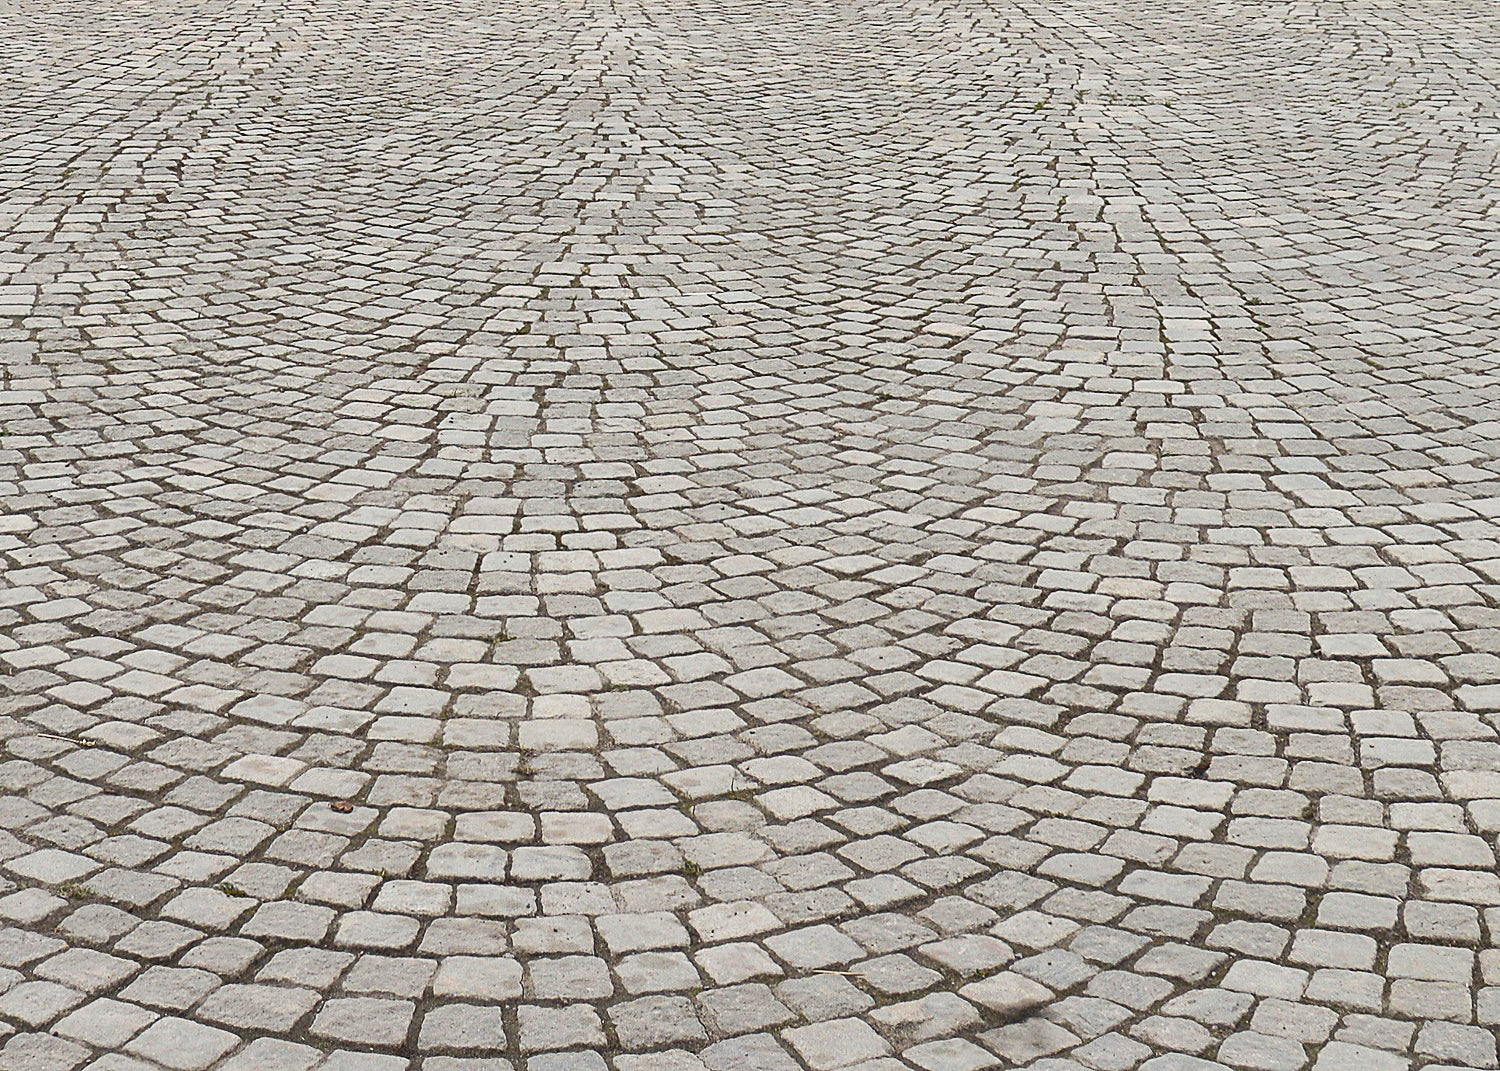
{"x":728,"y":535}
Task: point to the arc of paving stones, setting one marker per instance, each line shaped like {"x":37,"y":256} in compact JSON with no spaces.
{"x":988,"y":560}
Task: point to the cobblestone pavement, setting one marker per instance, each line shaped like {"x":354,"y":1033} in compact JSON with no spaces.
{"x":736,"y":536}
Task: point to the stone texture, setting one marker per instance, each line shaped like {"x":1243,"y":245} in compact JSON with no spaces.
{"x":749,"y":537}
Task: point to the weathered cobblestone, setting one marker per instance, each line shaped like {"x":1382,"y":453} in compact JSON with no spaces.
{"x":738,"y":537}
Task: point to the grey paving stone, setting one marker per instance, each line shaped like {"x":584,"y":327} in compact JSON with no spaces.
{"x":655,"y":1022}
{"x":365,"y":1020}
{"x":270,"y":1008}
{"x":545,"y":1028}
{"x":45,"y":1052}
{"x":270,"y":1054}
{"x":182,"y":1044}
{"x":463,"y":1028}
{"x":478,"y":977}
{"x":37,"y":1004}
{"x":105,"y":1023}
{"x":836,"y":1043}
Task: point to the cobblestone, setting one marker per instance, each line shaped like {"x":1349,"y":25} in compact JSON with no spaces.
{"x":729,"y":537}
